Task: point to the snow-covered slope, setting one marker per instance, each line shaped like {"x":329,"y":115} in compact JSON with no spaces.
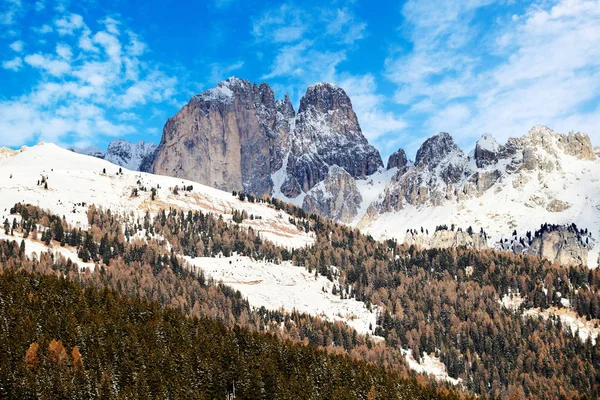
{"x":539,"y":178}
{"x":286,"y":286}
{"x":76,"y":181}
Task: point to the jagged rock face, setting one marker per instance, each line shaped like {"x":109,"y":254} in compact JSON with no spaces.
{"x":486,"y":151}
{"x":578,"y":145}
{"x":133,"y":156}
{"x":439,"y":168}
{"x":232,"y":137}
{"x":327,"y":133}
{"x":562,"y":244}
{"x":443,"y":239}
{"x":129,"y":155}
{"x":336,"y":197}
{"x":442,"y":172}
{"x":397,"y":160}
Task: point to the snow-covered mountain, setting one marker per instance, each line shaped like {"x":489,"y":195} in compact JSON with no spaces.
{"x":540,"y":178}
{"x":134,"y":156}
{"x":236,"y":136}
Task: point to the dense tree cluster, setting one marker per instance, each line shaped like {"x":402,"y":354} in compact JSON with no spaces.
{"x":59,"y":340}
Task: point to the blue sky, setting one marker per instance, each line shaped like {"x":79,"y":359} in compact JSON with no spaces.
{"x":86,"y":72}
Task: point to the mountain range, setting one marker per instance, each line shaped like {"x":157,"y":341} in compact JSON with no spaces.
{"x":239,"y":137}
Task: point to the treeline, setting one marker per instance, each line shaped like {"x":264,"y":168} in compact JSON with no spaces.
{"x":59,"y":340}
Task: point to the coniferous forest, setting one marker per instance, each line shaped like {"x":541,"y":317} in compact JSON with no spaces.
{"x":442,"y":302}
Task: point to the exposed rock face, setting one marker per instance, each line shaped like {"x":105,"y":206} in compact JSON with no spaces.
{"x":445,"y":239}
{"x":237,"y":137}
{"x":442,"y":172}
{"x":133,"y":156}
{"x":438,"y":168}
{"x":397,"y":160}
{"x":129,"y":155}
{"x":563,"y":244}
{"x":336,"y":197}
{"x":486,"y":151}
{"x":327,"y":133}
{"x":578,"y":145}
{"x":232,"y":137}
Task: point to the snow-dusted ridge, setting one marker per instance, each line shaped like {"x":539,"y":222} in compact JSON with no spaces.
{"x":541,"y":179}
{"x":74,"y":179}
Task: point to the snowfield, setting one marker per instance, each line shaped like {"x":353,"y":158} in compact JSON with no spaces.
{"x":429,"y":365}
{"x":76,"y":181}
{"x":288,"y":287}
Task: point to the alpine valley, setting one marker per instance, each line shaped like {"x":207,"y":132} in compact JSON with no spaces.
{"x":272,"y":253}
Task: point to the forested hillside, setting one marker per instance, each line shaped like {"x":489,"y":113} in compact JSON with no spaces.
{"x":442,"y":302}
{"x":62,"y":341}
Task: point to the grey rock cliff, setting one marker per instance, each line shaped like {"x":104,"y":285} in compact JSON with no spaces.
{"x":327,"y":133}
{"x":336,"y":197}
{"x":232,"y":137}
{"x":397,"y":160}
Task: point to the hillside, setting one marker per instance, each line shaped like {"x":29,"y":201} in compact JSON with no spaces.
{"x":63,"y":341}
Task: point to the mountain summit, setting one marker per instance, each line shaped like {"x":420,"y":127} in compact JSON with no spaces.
{"x":238,"y":137}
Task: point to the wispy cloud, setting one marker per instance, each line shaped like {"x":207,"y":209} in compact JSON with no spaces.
{"x":221,"y":71}
{"x":538,"y":66}
{"x":85,"y":86}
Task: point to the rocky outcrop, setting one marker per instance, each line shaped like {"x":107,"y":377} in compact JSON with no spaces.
{"x":237,"y":137}
{"x":133,"y":156}
{"x":437,"y":172}
{"x":397,"y":160}
{"x":577,"y":145}
{"x":486,"y":151}
{"x":564,"y":244}
{"x":561,"y":246}
{"x":445,"y":238}
{"x":232,"y":137}
{"x":442,"y":172}
{"x":327,"y":133}
{"x":336,"y":197}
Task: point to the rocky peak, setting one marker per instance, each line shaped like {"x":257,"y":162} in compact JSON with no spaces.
{"x":232,"y":137}
{"x":436,"y":149}
{"x":324,"y":97}
{"x":486,"y":151}
{"x":397,"y":160}
{"x":327,"y":133}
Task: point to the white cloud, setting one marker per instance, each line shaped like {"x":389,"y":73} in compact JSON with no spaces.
{"x":544,"y":68}
{"x":15,"y":64}
{"x":84,"y":86}
{"x":39,"y":6}
{"x":68,"y":24}
{"x":343,"y":25}
{"x":285,"y":24}
{"x":52,"y":66}
{"x":9,"y":10}
{"x":64,"y":51}
{"x":111,"y":44}
{"x":17,"y":46}
{"x":44,"y":29}
{"x":375,"y":123}
{"x":220,"y":71}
